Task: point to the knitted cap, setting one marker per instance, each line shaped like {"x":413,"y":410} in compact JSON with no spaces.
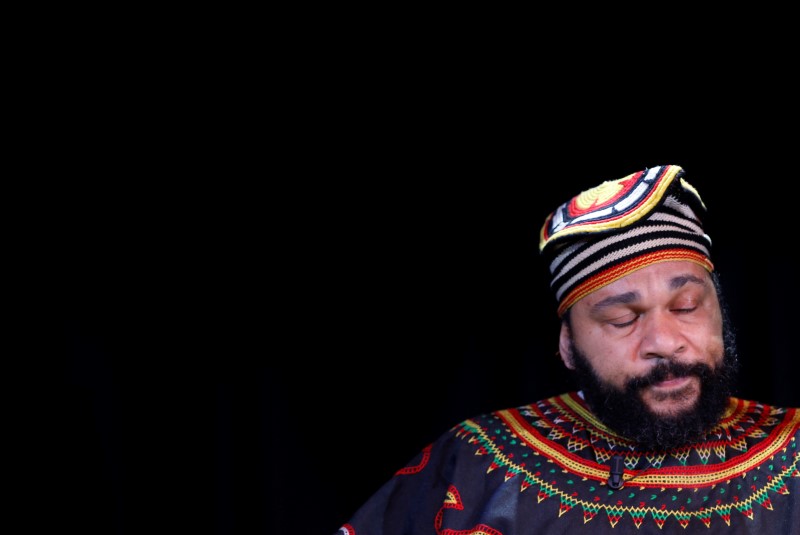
{"x":608,"y":231}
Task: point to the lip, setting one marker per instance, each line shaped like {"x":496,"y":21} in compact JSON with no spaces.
{"x":673,"y":382}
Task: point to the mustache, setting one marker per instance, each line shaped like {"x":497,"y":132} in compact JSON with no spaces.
{"x":666,"y":370}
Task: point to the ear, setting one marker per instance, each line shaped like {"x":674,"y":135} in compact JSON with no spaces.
{"x":564,"y":347}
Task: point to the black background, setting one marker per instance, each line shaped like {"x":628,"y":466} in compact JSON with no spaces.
{"x":256,"y":322}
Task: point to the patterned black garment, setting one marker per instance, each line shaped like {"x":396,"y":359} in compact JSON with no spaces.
{"x":546,"y":468}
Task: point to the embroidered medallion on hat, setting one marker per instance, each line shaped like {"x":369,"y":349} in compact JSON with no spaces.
{"x":606,"y":232}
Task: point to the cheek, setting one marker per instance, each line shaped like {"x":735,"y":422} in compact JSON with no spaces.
{"x":613,"y":371}
{"x":715,"y":349}
{"x":608,"y":360}
{"x":709,"y":340}
{"x":715,"y":346}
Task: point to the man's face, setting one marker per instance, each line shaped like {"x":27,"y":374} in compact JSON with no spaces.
{"x":649,"y":352}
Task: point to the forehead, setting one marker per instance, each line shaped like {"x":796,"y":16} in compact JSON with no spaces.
{"x":662,"y":276}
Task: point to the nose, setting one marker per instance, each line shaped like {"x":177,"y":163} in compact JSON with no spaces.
{"x":662,"y":336}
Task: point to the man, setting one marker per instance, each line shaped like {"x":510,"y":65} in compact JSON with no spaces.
{"x":653,"y":440}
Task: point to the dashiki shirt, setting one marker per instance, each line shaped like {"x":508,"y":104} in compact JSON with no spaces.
{"x":544,"y":469}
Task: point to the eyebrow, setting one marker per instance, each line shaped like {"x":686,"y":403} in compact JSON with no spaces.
{"x":631,"y":297}
{"x":681,"y":280}
{"x":618,"y":299}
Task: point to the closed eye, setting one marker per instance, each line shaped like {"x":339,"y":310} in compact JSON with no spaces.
{"x":625,"y":321}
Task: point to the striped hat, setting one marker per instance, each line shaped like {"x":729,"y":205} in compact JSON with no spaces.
{"x":608,"y":231}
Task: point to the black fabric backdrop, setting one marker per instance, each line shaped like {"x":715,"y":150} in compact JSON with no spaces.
{"x":261,"y":351}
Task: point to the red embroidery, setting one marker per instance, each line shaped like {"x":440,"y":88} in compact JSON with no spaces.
{"x":426,"y":456}
{"x":453,"y":501}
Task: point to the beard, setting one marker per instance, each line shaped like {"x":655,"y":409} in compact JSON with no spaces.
{"x":625,"y":412}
